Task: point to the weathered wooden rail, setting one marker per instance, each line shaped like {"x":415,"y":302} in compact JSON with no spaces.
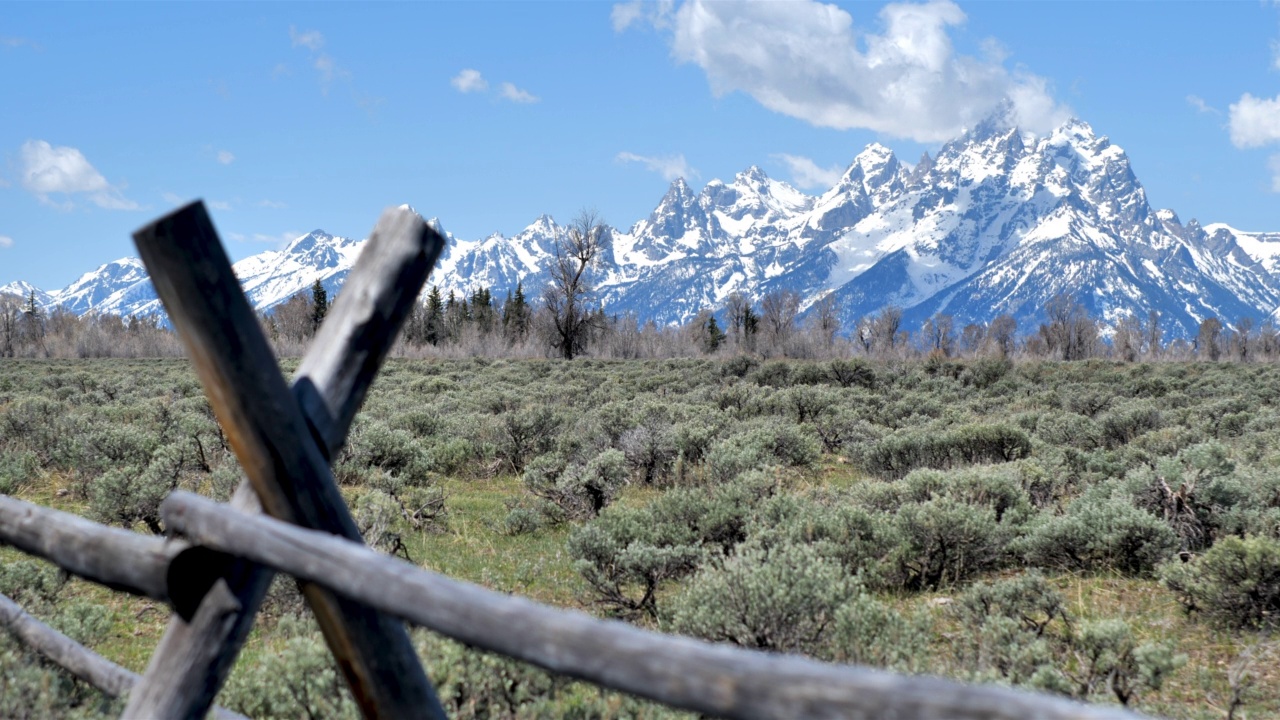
{"x":289,"y":517}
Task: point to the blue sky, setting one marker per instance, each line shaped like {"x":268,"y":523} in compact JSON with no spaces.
{"x":291,"y":117}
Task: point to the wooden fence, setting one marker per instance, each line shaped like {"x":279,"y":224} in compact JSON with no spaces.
{"x":288,"y":516}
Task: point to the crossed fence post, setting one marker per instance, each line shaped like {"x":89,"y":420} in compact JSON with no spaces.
{"x":284,"y":439}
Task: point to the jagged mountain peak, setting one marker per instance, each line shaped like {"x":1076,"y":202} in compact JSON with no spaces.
{"x":997,"y":221}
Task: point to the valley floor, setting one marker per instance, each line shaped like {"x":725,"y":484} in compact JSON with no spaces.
{"x":1102,"y":530}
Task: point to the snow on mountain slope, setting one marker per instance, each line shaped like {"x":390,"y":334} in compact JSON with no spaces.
{"x":998,"y":221}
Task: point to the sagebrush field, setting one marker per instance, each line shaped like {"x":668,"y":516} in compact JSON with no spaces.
{"x":1102,"y":530}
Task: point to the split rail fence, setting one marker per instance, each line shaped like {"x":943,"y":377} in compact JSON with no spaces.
{"x":288,"y":516}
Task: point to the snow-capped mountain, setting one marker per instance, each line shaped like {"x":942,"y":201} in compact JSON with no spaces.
{"x":999,"y":221}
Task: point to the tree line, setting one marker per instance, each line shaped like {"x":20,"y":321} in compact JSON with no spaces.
{"x":566,"y":319}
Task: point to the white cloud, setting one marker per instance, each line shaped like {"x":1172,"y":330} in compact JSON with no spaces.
{"x":805,"y":59}
{"x":219,"y":205}
{"x":805,"y":173}
{"x":172,"y":198}
{"x":515,"y":94}
{"x":6,"y":241}
{"x":273,"y":204}
{"x":309,"y":39}
{"x":1255,"y":122}
{"x":1275,"y":54}
{"x":48,"y":170}
{"x":225,"y":157}
{"x":1273,"y":164}
{"x":626,"y":14}
{"x":669,"y":167}
{"x":278,"y":240}
{"x":1200,"y":105}
{"x":469,"y":81}
{"x":323,"y":62}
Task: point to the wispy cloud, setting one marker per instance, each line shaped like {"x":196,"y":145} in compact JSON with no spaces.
{"x":807,"y":60}
{"x":6,"y":241}
{"x":47,"y":170}
{"x":1273,"y":164}
{"x":10,"y":42}
{"x":278,"y":240}
{"x":225,"y":157}
{"x":219,"y":205}
{"x":636,"y":12}
{"x":273,"y":204}
{"x":324,"y":63}
{"x":1200,"y":105}
{"x":669,"y":167}
{"x":309,"y":39}
{"x":516,"y":95}
{"x":805,"y":173}
{"x":469,"y":81}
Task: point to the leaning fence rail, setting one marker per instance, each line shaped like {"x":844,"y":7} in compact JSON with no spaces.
{"x":215,"y":577}
{"x":73,"y":657}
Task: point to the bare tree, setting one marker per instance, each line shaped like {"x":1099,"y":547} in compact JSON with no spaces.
{"x":1209,"y":339}
{"x":1243,"y":340}
{"x":568,"y":297}
{"x":864,"y":334}
{"x":1003,"y":334}
{"x":1128,"y":339}
{"x":778,"y":311}
{"x":826,"y":319}
{"x":884,"y":329}
{"x":939,"y":334}
{"x":1070,"y":333}
{"x":1155,"y":335}
{"x":971,"y":338}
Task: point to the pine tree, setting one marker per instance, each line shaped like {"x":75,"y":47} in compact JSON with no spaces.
{"x":515,"y":315}
{"x":435,"y":316}
{"x":319,"y":304}
{"x":714,"y":337}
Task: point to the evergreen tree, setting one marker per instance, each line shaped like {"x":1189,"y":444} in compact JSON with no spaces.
{"x":714,"y":337}
{"x":319,"y":305}
{"x":434,"y":322}
{"x":515,"y":315}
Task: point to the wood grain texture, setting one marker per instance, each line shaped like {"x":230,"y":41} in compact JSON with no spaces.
{"x":117,"y":558}
{"x":74,"y":657}
{"x":274,"y":443}
{"x":364,"y":322}
{"x":717,"y":680}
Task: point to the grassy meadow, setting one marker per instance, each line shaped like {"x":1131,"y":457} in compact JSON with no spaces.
{"x":1102,"y":530}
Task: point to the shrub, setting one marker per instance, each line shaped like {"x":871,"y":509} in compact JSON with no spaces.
{"x":1108,"y":658}
{"x":1128,"y":421}
{"x":1101,"y":530}
{"x":782,"y":599}
{"x":17,"y":468}
{"x":299,"y":678}
{"x":525,"y":434}
{"x":942,"y":543}
{"x":650,"y":450}
{"x":896,"y":455}
{"x":1028,"y":599}
{"x":1235,"y":583}
{"x":579,"y":489}
{"x":625,"y":558}
{"x":858,"y":539}
{"x":849,"y":373}
{"x":768,"y":443}
{"x":869,"y":632}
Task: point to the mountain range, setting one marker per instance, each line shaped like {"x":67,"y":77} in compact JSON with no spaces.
{"x":999,"y":221}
